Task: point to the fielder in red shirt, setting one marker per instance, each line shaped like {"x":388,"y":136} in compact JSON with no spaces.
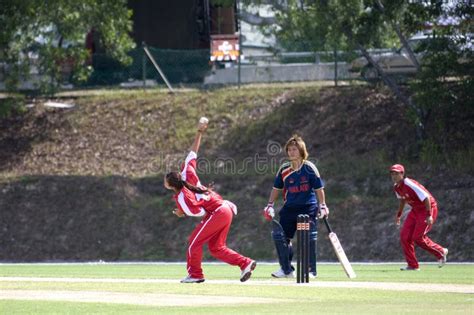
{"x":420,"y":220}
{"x":195,"y":200}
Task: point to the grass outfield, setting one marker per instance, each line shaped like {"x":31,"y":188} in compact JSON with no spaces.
{"x":155,"y":289}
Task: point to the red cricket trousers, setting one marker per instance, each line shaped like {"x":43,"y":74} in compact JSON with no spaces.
{"x":414,"y":231}
{"x":213,"y":230}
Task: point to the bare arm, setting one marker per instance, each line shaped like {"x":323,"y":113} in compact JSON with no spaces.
{"x":429,"y":218}
{"x":401,"y":206}
{"x":197,"y":142}
{"x":273,"y":196}
{"x":321,"y":195}
{"x":178,"y":212}
{"x":197,"y":139}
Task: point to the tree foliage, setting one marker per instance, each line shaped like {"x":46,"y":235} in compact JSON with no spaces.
{"x":444,"y":80}
{"x":444,"y":86}
{"x":48,"y":36}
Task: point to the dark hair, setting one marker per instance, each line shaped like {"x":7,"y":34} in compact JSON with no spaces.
{"x":174,"y":180}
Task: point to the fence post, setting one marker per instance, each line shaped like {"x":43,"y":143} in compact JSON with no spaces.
{"x":335,"y":66}
{"x":144,"y":65}
{"x":240,"y":45}
{"x":158,"y":69}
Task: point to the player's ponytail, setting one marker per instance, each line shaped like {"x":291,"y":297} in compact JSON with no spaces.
{"x":174,"y":180}
{"x":195,"y":189}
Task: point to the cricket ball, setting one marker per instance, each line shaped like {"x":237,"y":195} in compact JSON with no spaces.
{"x":203,"y":120}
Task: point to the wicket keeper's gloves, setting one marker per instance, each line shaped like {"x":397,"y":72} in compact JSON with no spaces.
{"x":323,"y":211}
{"x":269,"y":212}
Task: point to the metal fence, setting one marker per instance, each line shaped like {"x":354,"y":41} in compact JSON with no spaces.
{"x":194,"y":67}
{"x":185,"y":67}
{"x":179,"y":66}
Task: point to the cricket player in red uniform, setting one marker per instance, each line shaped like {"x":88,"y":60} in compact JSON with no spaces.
{"x":195,"y":200}
{"x":420,"y":220}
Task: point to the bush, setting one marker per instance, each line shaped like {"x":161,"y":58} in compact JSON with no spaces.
{"x":10,"y":105}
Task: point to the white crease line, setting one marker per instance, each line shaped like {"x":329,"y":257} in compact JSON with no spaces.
{"x":153,"y":299}
{"x":389,"y":286}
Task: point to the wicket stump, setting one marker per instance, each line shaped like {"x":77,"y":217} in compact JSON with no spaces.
{"x":302,"y":239}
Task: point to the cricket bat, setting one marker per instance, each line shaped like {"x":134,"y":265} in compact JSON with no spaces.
{"x":341,"y":255}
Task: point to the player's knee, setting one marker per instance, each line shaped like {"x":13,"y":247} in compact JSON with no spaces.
{"x":419,"y":240}
{"x":215,"y":250}
{"x":405,"y":238}
{"x":278,"y":236}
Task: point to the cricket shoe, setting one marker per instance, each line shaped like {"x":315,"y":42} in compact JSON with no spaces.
{"x":408,"y":268}
{"x":442,"y":260}
{"x":247,"y":271}
{"x":312,"y":275}
{"x":281,"y":274}
{"x":190,"y":279}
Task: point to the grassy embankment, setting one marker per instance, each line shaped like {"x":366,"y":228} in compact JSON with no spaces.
{"x":93,"y":174}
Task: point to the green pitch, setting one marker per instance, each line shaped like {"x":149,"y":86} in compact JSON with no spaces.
{"x":155,"y":289}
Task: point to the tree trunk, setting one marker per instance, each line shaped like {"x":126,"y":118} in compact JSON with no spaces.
{"x":420,"y":134}
{"x":405,"y":44}
{"x":400,"y":35}
{"x":420,"y":126}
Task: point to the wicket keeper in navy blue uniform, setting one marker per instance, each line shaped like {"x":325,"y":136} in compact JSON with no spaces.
{"x":303,"y":193}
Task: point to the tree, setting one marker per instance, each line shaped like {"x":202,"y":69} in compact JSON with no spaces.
{"x":362,"y":24}
{"x":392,"y":10}
{"x":50,"y":35}
{"x":444,"y":86}
{"x":347,"y":24}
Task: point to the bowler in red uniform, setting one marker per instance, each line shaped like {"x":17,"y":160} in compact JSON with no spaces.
{"x":195,"y":200}
{"x":420,"y":220}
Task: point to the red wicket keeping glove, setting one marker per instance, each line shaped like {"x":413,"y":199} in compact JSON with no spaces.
{"x":269,"y":212}
{"x":323,"y":211}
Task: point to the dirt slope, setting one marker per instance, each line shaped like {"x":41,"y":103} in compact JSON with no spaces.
{"x":85,"y":184}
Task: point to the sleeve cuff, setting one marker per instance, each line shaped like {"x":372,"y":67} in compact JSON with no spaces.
{"x":191,"y":155}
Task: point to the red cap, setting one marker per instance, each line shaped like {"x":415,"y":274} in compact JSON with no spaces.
{"x":397,"y":168}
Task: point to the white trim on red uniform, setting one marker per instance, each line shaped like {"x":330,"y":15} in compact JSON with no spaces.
{"x":398,"y":196}
{"x":191,"y":156}
{"x":421,"y":193}
{"x":185,"y":208}
{"x":197,"y":236}
{"x":202,"y":196}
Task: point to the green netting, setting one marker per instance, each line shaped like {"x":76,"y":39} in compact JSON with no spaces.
{"x":179,"y":66}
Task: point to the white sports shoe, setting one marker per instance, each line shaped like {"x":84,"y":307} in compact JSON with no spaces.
{"x":189,"y":279}
{"x":408,"y":268}
{"x":442,"y":261}
{"x":312,"y":275}
{"x":281,"y":274}
{"x":247,"y":271}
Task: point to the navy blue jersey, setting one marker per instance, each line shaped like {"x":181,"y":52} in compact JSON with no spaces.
{"x":298,"y":185}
